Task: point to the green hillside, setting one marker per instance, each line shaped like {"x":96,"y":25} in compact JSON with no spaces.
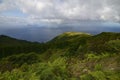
{"x":9,"y":46}
{"x":68,"y":56}
{"x":104,"y":42}
{"x":8,"y":41}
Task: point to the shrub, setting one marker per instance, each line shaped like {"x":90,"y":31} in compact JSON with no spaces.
{"x":113,"y":46}
{"x":87,"y":77}
{"x":98,"y":75}
{"x":98,"y":67}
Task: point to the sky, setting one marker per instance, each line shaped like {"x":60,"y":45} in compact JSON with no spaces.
{"x":41,"y":20}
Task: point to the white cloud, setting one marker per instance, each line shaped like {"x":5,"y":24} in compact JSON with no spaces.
{"x":6,"y":5}
{"x":60,"y":10}
{"x":13,"y":21}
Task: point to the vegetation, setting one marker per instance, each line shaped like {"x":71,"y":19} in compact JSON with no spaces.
{"x":69,"y":56}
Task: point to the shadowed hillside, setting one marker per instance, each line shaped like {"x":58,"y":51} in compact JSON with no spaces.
{"x":9,"y":46}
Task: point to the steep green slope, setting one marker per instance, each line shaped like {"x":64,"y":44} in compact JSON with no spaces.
{"x":78,"y":44}
{"x":65,"y":44}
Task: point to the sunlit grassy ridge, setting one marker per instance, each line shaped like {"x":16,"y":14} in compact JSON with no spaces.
{"x":69,"y":56}
{"x":71,"y":35}
{"x":68,"y":34}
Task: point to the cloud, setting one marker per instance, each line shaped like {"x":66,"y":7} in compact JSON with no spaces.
{"x":13,"y":22}
{"x":58,"y":11}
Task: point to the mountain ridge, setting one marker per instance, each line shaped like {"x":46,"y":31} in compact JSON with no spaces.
{"x":74,"y":42}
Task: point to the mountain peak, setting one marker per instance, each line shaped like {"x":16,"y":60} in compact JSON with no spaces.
{"x":69,"y":36}
{"x":74,"y":33}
